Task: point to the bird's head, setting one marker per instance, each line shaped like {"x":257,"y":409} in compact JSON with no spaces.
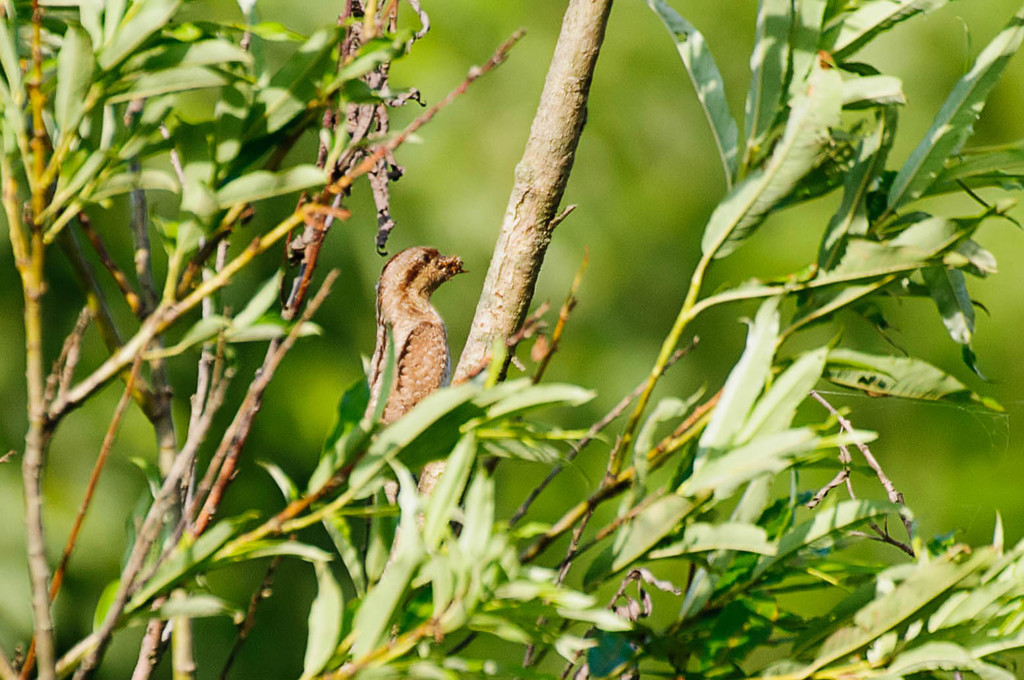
{"x":419,"y":271}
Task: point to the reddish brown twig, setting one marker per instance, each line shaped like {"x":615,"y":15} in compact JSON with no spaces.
{"x":108,"y":263}
{"x":237,"y":433}
{"x":563,"y":313}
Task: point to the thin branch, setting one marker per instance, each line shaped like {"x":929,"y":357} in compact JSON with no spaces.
{"x":592,"y":433}
{"x":108,"y":263}
{"x":261,"y":593}
{"x":895,"y":496}
{"x":64,"y":368}
{"x":541,"y":177}
{"x":76,"y":527}
{"x":237,"y":433}
{"x":565,"y":310}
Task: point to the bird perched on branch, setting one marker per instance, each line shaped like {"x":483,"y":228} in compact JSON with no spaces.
{"x":422,"y":361}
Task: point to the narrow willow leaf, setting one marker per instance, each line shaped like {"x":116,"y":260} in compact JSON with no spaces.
{"x":641,"y":533}
{"x":745,"y":382}
{"x":381,"y":603}
{"x":209,"y":52}
{"x":852,"y":215}
{"x":1001,"y":166}
{"x":928,"y":582}
{"x":772,"y":453}
{"x":149,"y":179}
{"x":340,"y":531}
{"x":666,"y":409}
{"x":74,"y":74}
{"x":324,"y":622}
{"x":200,"y":332}
{"x":530,"y":396}
{"x":281,"y":478}
{"x":372,"y":54}
{"x":981,"y":262}
{"x":262,"y":184}
{"x":346,"y":436}
{"x":446,"y":495}
{"x":185,"y":559}
{"x":807,"y":131}
{"x":9,"y":58}
{"x":170,"y":80}
{"x":805,"y":38}
{"x":260,"y":302}
{"x":775,"y":410}
{"x":479,"y":510}
{"x":899,"y":377}
{"x":872,"y":91}
{"x":942,"y":656}
{"x":955,"y":121}
{"x":948,"y":289}
{"x":826,"y":522}
{"x":855,"y":29}
{"x":768,"y":64}
{"x":702,"y":537}
{"x":142,"y":20}
{"x":707,"y":82}
{"x":293,"y":85}
{"x":194,"y":606}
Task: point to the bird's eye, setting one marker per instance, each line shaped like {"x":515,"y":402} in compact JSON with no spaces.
{"x":424,"y":258}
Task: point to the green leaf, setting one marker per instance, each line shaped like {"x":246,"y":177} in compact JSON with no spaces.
{"x":255,"y":550}
{"x":143,"y":19}
{"x":325,"y":616}
{"x":268,"y":293}
{"x":527,"y":396}
{"x":702,"y":537}
{"x":340,"y":532}
{"x":179,"y":79}
{"x":639,"y":535}
{"x":444,"y":499}
{"x":745,"y":381}
{"x":771,"y":453}
{"x":873,"y":91}
{"x":768,"y":64}
{"x":928,"y":582}
{"x":149,"y":179}
{"x":103,"y":604}
{"x":955,"y":121}
{"x":346,"y":435}
{"x":807,"y":131}
{"x":852,"y":215}
{"x":666,"y":409}
{"x":261,"y":184}
{"x":9,"y":61}
{"x":185,"y":560}
{"x":707,"y":82}
{"x":293,"y":85}
{"x":855,"y":29}
{"x":74,"y":74}
{"x":1001,"y":166}
{"x":981,"y":262}
{"x":374,"y":53}
{"x":380,"y":605}
{"x":209,"y":52}
{"x":200,"y":332}
{"x":898,"y":377}
{"x":948,"y":289}
{"x":479,"y":511}
{"x":827,"y":521}
{"x":804,"y":41}
{"x":194,"y":606}
{"x":281,"y":478}
{"x":775,"y":410}
{"x":942,"y":656}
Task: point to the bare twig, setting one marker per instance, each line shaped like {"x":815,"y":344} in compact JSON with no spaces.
{"x":237,"y":433}
{"x":64,"y":368}
{"x":895,"y":496}
{"x":541,"y":177}
{"x":76,"y":527}
{"x":594,"y":430}
{"x":261,"y":593}
{"x":564,"y":311}
{"x":108,"y":263}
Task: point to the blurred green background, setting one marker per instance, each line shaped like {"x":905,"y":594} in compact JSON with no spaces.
{"x":646,"y":179}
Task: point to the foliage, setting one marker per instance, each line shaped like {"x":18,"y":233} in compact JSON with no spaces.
{"x":431,"y":586}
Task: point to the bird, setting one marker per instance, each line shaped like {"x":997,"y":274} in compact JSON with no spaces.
{"x":422,"y":359}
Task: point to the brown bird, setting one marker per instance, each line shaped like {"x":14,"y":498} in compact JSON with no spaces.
{"x":422,"y":361}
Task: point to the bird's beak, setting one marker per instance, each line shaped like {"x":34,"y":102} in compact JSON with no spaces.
{"x":452,"y":265}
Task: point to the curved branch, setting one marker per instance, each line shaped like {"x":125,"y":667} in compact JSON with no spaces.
{"x":540,"y":180}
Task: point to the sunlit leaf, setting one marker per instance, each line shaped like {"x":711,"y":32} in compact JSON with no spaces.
{"x":324,"y":622}
{"x":255,"y":186}
{"x":74,"y":73}
{"x":955,"y":121}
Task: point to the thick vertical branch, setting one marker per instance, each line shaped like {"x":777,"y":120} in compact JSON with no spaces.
{"x":540,"y":181}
